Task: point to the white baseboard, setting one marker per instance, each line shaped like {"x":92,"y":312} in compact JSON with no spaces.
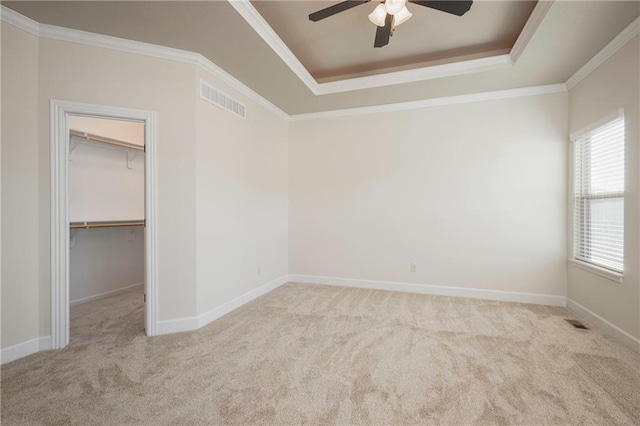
{"x":224,"y":309}
{"x":23,"y":349}
{"x":103,"y":295}
{"x":176,"y":325}
{"x":605,"y":326}
{"x":193,"y":323}
{"x":503,"y":296}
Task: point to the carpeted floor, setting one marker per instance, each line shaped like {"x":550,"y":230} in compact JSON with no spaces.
{"x":330,"y":355}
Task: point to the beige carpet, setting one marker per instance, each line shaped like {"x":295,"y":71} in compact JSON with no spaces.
{"x":329,"y":355}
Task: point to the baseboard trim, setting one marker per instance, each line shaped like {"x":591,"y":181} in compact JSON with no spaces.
{"x":23,"y":349}
{"x":225,"y":308}
{"x":103,"y":295}
{"x":605,"y":326}
{"x":176,"y":325}
{"x":193,"y":323}
{"x":503,"y":296}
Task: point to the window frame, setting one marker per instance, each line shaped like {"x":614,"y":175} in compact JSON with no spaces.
{"x":575,"y":261}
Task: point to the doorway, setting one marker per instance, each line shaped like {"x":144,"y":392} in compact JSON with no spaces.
{"x":66,"y":221}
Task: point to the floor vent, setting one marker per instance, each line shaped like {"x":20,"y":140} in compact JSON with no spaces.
{"x":216,"y":97}
{"x":577,"y":324}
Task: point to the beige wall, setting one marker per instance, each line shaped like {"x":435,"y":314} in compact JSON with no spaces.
{"x":20,"y":230}
{"x":242,"y":199}
{"x":221,"y":182}
{"x":76,"y":72}
{"x":611,"y":86}
{"x":473,"y":194}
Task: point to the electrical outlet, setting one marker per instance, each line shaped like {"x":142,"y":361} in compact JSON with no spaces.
{"x":259,"y":270}
{"x":413,"y":267}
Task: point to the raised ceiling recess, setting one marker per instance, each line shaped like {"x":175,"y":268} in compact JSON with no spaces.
{"x":340,"y":46}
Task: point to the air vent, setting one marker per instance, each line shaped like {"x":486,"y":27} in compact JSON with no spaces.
{"x":216,"y":97}
{"x":577,"y":324}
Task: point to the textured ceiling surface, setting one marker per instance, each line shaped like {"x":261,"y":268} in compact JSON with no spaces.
{"x":570,"y":34}
{"x":343,"y":44}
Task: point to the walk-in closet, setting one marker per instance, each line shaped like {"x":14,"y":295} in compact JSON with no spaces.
{"x":107,"y":226}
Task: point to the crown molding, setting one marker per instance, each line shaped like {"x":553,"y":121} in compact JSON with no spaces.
{"x":19,"y":21}
{"x":530,"y":28}
{"x":417,"y":74}
{"x":76,"y":36}
{"x":427,"y":103}
{"x":264,"y":30}
{"x":53,"y":32}
{"x":626,"y":35}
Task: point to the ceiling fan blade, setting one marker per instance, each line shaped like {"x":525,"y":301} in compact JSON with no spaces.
{"x":336,"y":8}
{"x":383,"y":33}
{"x":456,"y":7}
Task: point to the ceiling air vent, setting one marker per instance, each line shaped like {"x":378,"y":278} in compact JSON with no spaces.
{"x":216,"y":97}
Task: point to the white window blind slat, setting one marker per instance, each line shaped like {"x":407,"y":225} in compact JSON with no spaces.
{"x":598,"y":221}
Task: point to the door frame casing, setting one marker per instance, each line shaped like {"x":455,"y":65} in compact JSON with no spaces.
{"x":59,"y":155}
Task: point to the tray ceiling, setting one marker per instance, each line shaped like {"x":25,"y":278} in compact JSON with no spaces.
{"x":568,"y":35}
{"x":342,"y":45}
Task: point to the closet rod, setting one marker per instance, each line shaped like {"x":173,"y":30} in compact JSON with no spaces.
{"x":106,"y":224}
{"x":102,"y":139}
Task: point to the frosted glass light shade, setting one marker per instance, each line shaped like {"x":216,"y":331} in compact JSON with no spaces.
{"x":394,"y":6}
{"x":402,"y":16}
{"x":378,"y":15}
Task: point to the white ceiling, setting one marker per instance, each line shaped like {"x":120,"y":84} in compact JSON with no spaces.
{"x":568,"y":36}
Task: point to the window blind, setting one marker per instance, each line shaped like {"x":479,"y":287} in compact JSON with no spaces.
{"x":599,"y":196}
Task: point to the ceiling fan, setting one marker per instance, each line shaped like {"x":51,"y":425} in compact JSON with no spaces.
{"x":391,"y":13}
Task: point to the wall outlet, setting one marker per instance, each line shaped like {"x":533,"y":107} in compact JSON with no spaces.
{"x":259,"y":271}
{"x":412,"y":268}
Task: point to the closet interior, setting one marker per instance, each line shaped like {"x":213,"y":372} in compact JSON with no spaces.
{"x":106,"y":220}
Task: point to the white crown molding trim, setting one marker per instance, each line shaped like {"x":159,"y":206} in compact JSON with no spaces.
{"x":104,"y":294}
{"x":53,"y":32}
{"x":433,"y":102}
{"x":23,"y":349}
{"x":626,"y":35}
{"x":264,"y":30}
{"x":193,"y":323}
{"x":19,"y":21}
{"x":473,"y":293}
{"x":530,"y":28}
{"x":603,"y":325}
{"x":418,"y":74}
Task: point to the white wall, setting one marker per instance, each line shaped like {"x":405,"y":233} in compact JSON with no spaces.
{"x":473,"y":194}
{"x":20,"y":204}
{"x":242,"y":197}
{"x":613,"y":85}
{"x":101,"y":186}
{"x":104,"y":260}
{"x":127,"y":131}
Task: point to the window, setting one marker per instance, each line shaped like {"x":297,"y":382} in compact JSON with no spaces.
{"x":598,"y":224}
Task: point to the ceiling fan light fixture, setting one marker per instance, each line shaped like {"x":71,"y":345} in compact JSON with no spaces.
{"x":402,"y":16}
{"x":394,"y":6}
{"x":378,"y":15}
